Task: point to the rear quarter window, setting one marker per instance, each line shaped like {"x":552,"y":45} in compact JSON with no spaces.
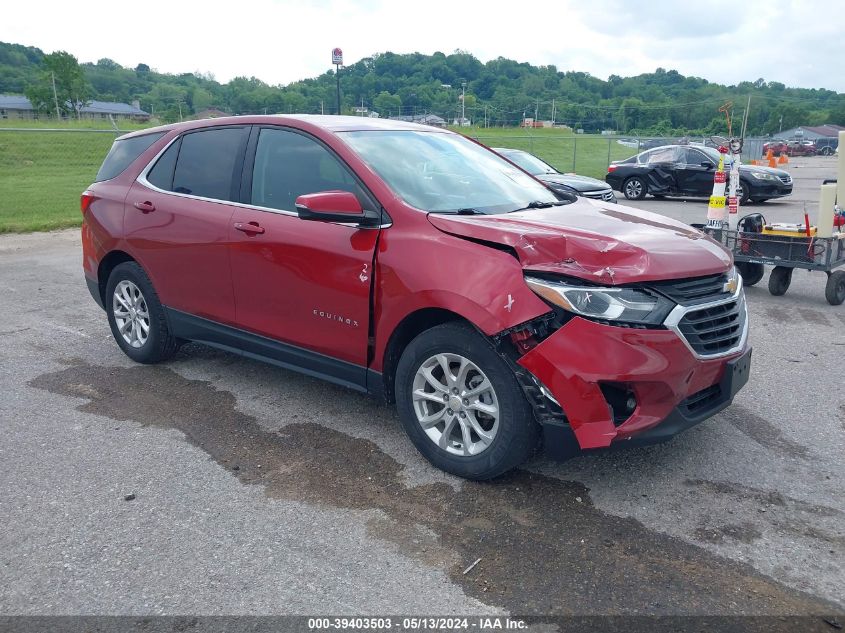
{"x":123,"y":152}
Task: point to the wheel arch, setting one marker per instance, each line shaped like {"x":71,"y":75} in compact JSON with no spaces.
{"x":407,"y":330}
{"x":111,"y":261}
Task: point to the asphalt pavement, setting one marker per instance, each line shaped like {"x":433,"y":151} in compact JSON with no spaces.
{"x":214,"y":484}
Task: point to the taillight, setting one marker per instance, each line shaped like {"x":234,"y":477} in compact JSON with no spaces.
{"x":85,"y":201}
{"x":611,"y":168}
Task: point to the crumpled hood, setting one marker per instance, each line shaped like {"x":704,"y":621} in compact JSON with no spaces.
{"x":579,"y":183}
{"x":596,"y":241}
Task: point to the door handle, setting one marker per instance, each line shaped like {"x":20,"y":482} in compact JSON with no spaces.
{"x":146,"y":206}
{"x":249,"y":227}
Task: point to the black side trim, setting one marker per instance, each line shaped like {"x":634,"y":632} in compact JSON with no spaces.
{"x":230,"y":339}
{"x":94,"y":289}
{"x":375,"y":385}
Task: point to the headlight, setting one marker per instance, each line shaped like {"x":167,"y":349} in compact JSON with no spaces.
{"x":606,"y":304}
{"x":761,"y":175}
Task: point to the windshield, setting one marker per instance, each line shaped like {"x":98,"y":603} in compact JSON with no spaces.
{"x":446,"y":173}
{"x":528,"y":162}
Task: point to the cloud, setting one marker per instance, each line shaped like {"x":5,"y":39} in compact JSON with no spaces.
{"x":280,"y":41}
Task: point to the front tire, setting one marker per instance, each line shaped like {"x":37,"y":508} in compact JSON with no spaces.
{"x":834,"y":290}
{"x":751,"y":273}
{"x":136,"y":316}
{"x":634,"y":188}
{"x":461,"y":404}
{"x":779,"y":280}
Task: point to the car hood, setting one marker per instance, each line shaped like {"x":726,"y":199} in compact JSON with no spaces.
{"x":595,"y":241}
{"x":579,"y":183}
{"x":768,"y":170}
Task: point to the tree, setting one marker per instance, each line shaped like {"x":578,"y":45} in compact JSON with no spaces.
{"x":71,"y":88}
{"x":387,"y":104}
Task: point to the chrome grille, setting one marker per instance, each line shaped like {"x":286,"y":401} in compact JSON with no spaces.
{"x":601,"y":194}
{"x":714,"y":329}
{"x":697,"y":290}
{"x":787,"y":180}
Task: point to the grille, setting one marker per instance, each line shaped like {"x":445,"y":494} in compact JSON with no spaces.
{"x":606,"y":194}
{"x":714,"y":330}
{"x":702,"y":400}
{"x":787,"y":180}
{"x":691,"y":291}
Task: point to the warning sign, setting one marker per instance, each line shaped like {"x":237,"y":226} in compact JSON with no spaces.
{"x":717,"y":202}
{"x":720,"y":177}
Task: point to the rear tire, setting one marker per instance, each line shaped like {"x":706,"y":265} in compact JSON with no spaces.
{"x":136,"y":316}
{"x":751,"y":273}
{"x":779,"y":280}
{"x":834,"y":290}
{"x":496,"y":430}
{"x":634,"y":188}
{"x":744,"y":193}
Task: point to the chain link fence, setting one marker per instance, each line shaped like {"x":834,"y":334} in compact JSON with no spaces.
{"x":43,"y":171}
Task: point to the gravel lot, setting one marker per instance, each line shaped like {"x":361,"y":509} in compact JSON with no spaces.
{"x":260,"y":491}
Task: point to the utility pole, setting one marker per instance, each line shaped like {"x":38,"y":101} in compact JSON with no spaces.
{"x":322,"y":110}
{"x":463,"y":101}
{"x":537,"y":111}
{"x":362,"y":106}
{"x":485,"y":115}
{"x":745,"y":118}
{"x":553,"y":112}
{"x":55,"y":96}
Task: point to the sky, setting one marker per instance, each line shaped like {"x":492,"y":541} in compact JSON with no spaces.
{"x":798,"y":43}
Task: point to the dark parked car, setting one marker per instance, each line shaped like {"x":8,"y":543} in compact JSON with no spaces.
{"x":826,"y":146}
{"x":562,"y":183}
{"x":684,"y":170}
{"x":413,"y":264}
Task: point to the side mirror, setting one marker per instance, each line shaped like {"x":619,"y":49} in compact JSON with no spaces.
{"x":333,"y":206}
{"x":707,"y":164}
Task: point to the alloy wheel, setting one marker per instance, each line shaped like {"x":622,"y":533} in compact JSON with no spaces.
{"x":633,"y":188}
{"x":455,"y":404}
{"x":131,"y":314}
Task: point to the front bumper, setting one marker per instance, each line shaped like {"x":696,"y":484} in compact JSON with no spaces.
{"x":674,"y":389}
{"x":768,"y":189}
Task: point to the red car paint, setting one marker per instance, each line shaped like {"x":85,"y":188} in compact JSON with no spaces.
{"x":343,"y":292}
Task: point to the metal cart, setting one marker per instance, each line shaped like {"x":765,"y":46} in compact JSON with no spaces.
{"x":752,"y":251}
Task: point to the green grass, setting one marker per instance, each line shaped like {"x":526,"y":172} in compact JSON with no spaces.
{"x":585,"y":154}
{"x":82,"y":124}
{"x":42,"y":175}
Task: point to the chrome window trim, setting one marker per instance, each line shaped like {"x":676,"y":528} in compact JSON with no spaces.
{"x":674,"y":318}
{"x":142,"y":180}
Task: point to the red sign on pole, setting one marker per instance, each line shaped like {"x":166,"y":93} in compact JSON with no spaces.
{"x":337,"y":56}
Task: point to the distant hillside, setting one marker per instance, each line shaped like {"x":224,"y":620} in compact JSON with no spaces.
{"x":502,"y":90}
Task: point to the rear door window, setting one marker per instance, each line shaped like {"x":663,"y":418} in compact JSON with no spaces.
{"x":663,"y":155}
{"x":209,"y":163}
{"x":123,"y":152}
{"x":161,"y":175}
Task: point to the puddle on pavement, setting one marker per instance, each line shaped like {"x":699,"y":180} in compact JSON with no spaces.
{"x":543,"y":547}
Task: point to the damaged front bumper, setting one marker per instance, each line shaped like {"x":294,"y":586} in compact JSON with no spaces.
{"x":625,"y":386}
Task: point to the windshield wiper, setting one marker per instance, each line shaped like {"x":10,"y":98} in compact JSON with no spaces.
{"x":466,"y":211}
{"x":537,"y":204}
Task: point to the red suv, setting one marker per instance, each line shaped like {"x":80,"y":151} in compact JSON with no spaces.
{"x":417,"y":265}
